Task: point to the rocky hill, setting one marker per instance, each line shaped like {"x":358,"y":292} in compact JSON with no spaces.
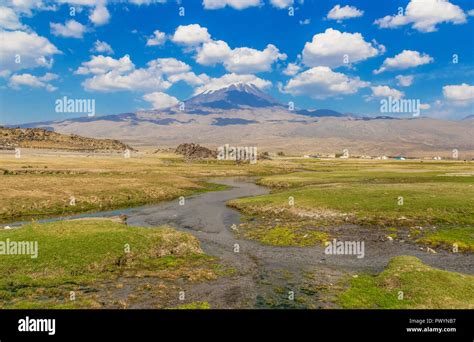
{"x":195,"y":151}
{"x":11,"y":138}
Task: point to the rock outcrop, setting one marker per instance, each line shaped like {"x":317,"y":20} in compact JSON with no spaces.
{"x":193,"y":151}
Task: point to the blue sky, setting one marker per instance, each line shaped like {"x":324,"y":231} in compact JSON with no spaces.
{"x":342,"y":55}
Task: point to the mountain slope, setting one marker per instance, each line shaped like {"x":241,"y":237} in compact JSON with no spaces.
{"x":243,"y":115}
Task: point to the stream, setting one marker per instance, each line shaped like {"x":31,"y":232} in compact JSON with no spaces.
{"x":269,"y":276}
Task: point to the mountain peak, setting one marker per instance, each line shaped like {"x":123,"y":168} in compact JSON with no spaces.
{"x":233,"y":96}
{"x":238,"y":86}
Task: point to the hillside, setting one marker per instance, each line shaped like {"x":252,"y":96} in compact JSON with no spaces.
{"x":11,"y":138}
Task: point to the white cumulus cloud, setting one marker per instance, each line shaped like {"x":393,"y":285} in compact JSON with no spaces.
{"x":22,"y":50}
{"x":236,"y":4}
{"x":425,"y":15}
{"x":103,"y":64}
{"x":160,"y":100}
{"x":404,"y":60}
{"x":292,"y":69}
{"x":190,"y":78}
{"x":282,"y":3}
{"x":334,"y":48}
{"x":169,"y":66}
{"x":242,"y":60}
{"x":71,"y":29}
{"x":157,"y":39}
{"x":209,"y":52}
{"x":321,"y":82}
{"x":404,"y":81}
{"x":246,"y":60}
{"x":9,"y":19}
{"x":346,"y":12}
{"x":137,"y":80}
{"x":459,"y":94}
{"x":100,"y":15}
{"x":27,"y":80}
{"x":111,"y":74}
{"x":215,"y":51}
{"x":386,"y":91}
{"x":102,"y":47}
{"x":191,"y":35}
{"x":26,"y":6}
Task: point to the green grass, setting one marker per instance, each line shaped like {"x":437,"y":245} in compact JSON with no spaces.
{"x":463,"y":237}
{"x":79,"y":255}
{"x":366,"y":203}
{"x":284,"y":236}
{"x":345,"y":174}
{"x":423,"y":287}
{"x":367,"y":193}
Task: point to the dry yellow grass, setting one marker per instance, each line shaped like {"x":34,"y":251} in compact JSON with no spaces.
{"x":41,"y":184}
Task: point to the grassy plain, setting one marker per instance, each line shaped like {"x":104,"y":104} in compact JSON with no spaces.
{"x":305,"y":192}
{"x":394,"y":195}
{"x":81,"y":256}
{"x":308,"y":197}
{"x":43,"y":186}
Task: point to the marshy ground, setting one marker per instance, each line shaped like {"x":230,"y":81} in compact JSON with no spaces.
{"x":268,"y":253}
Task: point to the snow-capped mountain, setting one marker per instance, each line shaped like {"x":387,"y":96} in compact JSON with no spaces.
{"x":234,"y":96}
{"x":244,"y":114}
